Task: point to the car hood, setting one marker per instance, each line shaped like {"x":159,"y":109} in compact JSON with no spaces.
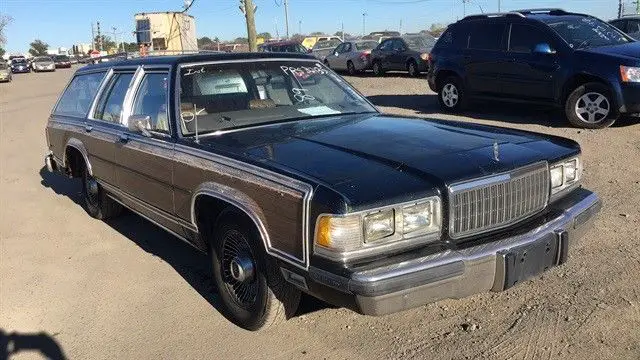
{"x":627,"y":51}
{"x":43,"y":63}
{"x":393,"y":158}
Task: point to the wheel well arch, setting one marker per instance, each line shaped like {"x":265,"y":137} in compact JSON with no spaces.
{"x":579,"y":79}
{"x":210,"y":200}
{"x":74,"y":156}
{"x":443,"y":74}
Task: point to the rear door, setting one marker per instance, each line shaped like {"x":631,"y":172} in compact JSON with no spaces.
{"x":483,"y":56}
{"x":526,"y":74}
{"x":399,"y":57}
{"x":104,"y":125}
{"x":145,"y":163}
{"x":332,"y":58}
{"x":343,"y":55}
{"x":383,"y":52}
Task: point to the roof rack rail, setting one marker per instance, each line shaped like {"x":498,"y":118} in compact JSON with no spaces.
{"x":542,"y":11}
{"x":628,"y":15}
{"x":490,"y":15}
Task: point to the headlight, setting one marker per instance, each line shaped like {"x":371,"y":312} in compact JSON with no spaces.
{"x":425,"y":56}
{"x":342,"y":237}
{"x":630,"y":74}
{"x":565,"y":175}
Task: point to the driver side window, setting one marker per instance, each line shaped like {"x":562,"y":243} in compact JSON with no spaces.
{"x":151,"y":101}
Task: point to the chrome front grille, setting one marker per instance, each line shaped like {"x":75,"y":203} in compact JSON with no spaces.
{"x":482,"y":205}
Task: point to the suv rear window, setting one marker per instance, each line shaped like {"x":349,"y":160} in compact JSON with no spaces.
{"x":485,"y":36}
{"x":77,"y":97}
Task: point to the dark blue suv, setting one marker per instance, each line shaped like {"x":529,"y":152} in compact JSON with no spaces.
{"x":549,"y":56}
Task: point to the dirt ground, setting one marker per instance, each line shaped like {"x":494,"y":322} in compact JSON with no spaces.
{"x":86,"y":289}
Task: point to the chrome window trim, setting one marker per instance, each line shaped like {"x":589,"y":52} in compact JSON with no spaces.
{"x":499,"y":178}
{"x":143,"y":71}
{"x":112,"y":72}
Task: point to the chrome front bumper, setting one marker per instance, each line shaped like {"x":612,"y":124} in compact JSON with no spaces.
{"x":491,"y":266}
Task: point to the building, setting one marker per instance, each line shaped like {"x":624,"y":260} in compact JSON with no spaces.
{"x":166,"y":31}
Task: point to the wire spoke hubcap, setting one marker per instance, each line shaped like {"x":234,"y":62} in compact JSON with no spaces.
{"x":238,"y":269}
{"x":592,"y":107}
{"x":450,"y":95}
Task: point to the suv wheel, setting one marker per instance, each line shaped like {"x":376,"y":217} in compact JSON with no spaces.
{"x":252,"y":290}
{"x":591,"y":106}
{"x":412,"y":69}
{"x":451,"y":94}
{"x":377,"y":68}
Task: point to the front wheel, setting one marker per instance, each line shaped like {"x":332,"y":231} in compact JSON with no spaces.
{"x":591,"y":106}
{"x":253,"y":292}
{"x":351,"y":69}
{"x":451,"y":94}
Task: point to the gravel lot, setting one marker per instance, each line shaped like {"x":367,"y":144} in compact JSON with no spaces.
{"x":127,"y":290}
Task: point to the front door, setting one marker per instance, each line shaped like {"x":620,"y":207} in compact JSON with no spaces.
{"x":526,"y":74}
{"x":145,"y":161}
{"x":398,"y":58}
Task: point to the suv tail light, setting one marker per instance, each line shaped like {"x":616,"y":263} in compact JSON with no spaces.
{"x":364,"y":56}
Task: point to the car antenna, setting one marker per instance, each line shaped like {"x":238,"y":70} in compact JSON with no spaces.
{"x":195,"y":118}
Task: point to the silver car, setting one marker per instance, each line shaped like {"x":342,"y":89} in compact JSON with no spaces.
{"x":43,"y":63}
{"x":323,"y":48}
{"x":352,"y":56}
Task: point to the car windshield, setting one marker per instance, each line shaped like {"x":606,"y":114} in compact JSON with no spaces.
{"x":43,"y":59}
{"x":19,"y":61}
{"x":62,"y":58}
{"x":3,"y":66}
{"x":586,"y":32}
{"x":420,"y":41}
{"x":218,"y":97}
{"x":366,"y":45}
{"x":327,"y":44}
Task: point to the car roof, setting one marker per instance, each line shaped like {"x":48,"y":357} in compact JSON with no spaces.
{"x":175,"y":60}
{"x":284,"y":42}
{"x":540,"y":15}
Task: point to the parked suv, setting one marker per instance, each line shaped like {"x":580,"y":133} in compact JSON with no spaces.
{"x":575,"y":61}
{"x":629,"y":25}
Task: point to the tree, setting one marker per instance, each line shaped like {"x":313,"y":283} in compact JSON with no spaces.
{"x":437,"y":29}
{"x":107,"y":43}
{"x":265,"y":35}
{"x":339,"y":33}
{"x":2,"y":51}
{"x":5,"y":20}
{"x":241,"y":40}
{"x":204,"y":41}
{"x":316,"y":33}
{"x":38,"y":48}
{"x":131,"y":47}
{"x":297,"y":37}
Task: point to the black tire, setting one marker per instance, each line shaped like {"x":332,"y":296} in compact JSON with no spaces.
{"x":586,"y":104}
{"x":98,"y":205}
{"x":275,"y":299}
{"x":412,"y":68}
{"x":326,"y":63}
{"x":377,"y":68}
{"x":351,"y":69}
{"x":451,"y":85}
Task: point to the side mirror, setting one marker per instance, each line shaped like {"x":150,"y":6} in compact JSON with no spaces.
{"x":543,"y":48}
{"x":139,"y":124}
{"x":335,"y":53}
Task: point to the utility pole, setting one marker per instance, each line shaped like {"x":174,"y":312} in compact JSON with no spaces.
{"x":300,"y":27}
{"x":500,"y":4}
{"x":99,"y":37}
{"x":248,"y":9}
{"x":619,"y":9}
{"x":342,"y":29}
{"x":364,"y":24}
{"x":464,"y":8}
{"x":637,"y":7}
{"x":115,"y":38}
{"x":93,"y":37}
{"x":400,"y":28}
{"x":275,"y":21}
{"x":286,"y":16}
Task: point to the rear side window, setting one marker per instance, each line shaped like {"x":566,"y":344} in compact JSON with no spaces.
{"x":524,"y":38}
{"x":633,"y":26}
{"x":111,"y":102}
{"x":486,"y":36}
{"x":78,"y":96}
{"x":620,"y":24}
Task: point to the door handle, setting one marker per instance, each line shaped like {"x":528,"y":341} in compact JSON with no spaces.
{"x":88,"y":128}
{"x":123,"y":138}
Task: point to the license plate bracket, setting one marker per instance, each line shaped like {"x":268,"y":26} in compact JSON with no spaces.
{"x":524,"y":262}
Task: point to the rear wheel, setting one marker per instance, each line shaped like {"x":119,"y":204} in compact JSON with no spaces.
{"x":451,"y":94}
{"x":351,"y":69}
{"x":591,"y":106}
{"x":96,"y":201}
{"x":377,"y":68}
{"x":326,"y":63}
{"x":253,"y":292}
{"x":412,"y":68}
